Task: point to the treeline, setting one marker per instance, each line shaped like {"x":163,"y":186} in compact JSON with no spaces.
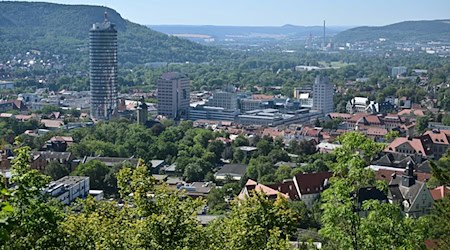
{"x":151,"y":217}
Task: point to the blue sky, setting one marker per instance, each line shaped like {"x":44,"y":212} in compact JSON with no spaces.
{"x":274,"y":12}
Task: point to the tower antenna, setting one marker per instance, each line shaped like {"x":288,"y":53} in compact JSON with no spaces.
{"x":106,"y":15}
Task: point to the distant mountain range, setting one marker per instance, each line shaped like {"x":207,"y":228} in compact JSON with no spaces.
{"x":246,"y":32}
{"x":64,"y":29}
{"x":408,"y":31}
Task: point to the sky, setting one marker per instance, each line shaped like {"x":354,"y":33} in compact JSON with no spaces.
{"x":274,"y":12}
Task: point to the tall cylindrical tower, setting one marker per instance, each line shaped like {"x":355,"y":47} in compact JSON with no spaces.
{"x":103,"y":70}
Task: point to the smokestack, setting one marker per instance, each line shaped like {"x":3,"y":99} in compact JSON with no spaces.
{"x":324,"y":41}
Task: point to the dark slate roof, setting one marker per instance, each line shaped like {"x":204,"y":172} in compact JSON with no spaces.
{"x":394,"y":193}
{"x":394,"y":160}
{"x":370,"y":193}
{"x":407,"y":193}
{"x":53,"y":155}
{"x":235,"y":169}
{"x":424,"y":167}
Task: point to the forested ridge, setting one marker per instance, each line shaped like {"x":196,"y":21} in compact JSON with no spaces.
{"x":63,"y":30}
{"x":408,"y":31}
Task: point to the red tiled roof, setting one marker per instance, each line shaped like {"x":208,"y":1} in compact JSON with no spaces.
{"x":287,"y":188}
{"x":439,"y":137}
{"x":415,"y":143}
{"x":376,"y":131}
{"x":262,"y":97}
{"x":415,"y":112}
{"x":270,"y":192}
{"x":52,"y":123}
{"x":373,"y":119}
{"x":356,"y":117}
{"x":440,"y":192}
{"x":273,"y":132}
{"x":311,"y":183}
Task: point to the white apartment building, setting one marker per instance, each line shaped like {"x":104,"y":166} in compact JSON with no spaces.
{"x":173,"y":95}
{"x":68,"y":188}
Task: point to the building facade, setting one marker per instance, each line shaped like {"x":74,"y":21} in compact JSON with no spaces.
{"x":69,"y":188}
{"x":223,"y":99}
{"x":200,"y":112}
{"x":173,"y":96}
{"x":323,"y":92}
{"x":103,"y":70}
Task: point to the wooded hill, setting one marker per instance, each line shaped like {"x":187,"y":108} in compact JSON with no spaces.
{"x":63,"y":29}
{"x":408,"y":31}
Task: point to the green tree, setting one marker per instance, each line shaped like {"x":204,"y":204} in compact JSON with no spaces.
{"x":56,"y":170}
{"x":217,"y":148}
{"x":261,"y":170}
{"x":391,"y":135}
{"x":254,"y":223}
{"x":343,"y":227}
{"x":96,"y":171}
{"x":282,"y":173}
{"x":33,"y":223}
{"x":446,"y":120}
{"x":421,"y":124}
{"x":440,"y":217}
{"x":264,"y":147}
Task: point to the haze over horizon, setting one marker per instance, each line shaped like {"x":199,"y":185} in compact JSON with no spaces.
{"x":271,"y":12}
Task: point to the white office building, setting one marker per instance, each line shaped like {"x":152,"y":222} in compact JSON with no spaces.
{"x":223,"y":99}
{"x":323,"y":92}
{"x":173,"y":96}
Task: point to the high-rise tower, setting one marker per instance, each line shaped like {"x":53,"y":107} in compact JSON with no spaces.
{"x":103,"y":69}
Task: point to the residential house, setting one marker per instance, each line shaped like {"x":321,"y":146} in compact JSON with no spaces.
{"x":52,"y":124}
{"x":440,"y":192}
{"x":437,"y":141}
{"x":233,"y":171}
{"x":408,"y":146}
{"x":197,"y":189}
{"x":157,"y":165}
{"x":38,"y":162}
{"x":398,"y":160}
{"x":310,"y":185}
{"x":253,"y":186}
{"x":63,"y":158}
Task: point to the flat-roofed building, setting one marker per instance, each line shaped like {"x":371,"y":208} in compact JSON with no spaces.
{"x":69,"y":188}
{"x":173,"y":95}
